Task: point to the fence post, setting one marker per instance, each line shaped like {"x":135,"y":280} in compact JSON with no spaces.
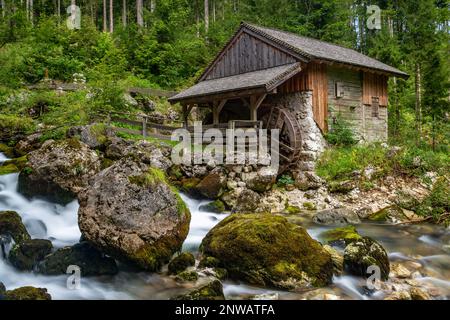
{"x":144,"y":127}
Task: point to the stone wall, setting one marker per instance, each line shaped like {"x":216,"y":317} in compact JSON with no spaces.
{"x":313,"y":143}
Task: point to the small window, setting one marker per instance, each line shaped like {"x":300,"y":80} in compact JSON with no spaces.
{"x":339,"y":89}
{"x":375,"y":107}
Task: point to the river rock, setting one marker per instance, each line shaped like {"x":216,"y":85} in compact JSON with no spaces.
{"x":28,"y":293}
{"x":341,"y":216}
{"x":211,"y":291}
{"x":346,"y":235}
{"x":27,"y":254}
{"x":363,"y":253}
{"x":90,"y":261}
{"x":267,"y":250}
{"x":132,"y":214}
{"x":337,"y":258}
{"x":307,"y":180}
{"x":116,"y":148}
{"x":94,"y":135}
{"x":212,"y":186}
{"x":11,"y":227}
{"x":247,"y":202}
{"x":262,"y":180}
{"x":28,"y":144}
{"x":419,"y":294}
{"x":217,"y":206}
{"x":181,"y":262}
{"x":59,"y":170}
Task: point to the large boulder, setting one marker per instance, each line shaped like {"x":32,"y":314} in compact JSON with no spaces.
{"x":341,"y":216}
{"x":267,"y":250}
{"x":131,"y":213}
{"x":28,"y":293}
{"x":26,"y":255}
{"x":345,"y":235}
{"x":59,"y":170}
{"x":11,"y":227}
{"x":364,"y":253}
{"x":90,"y":261}
{"x":212,"y":186}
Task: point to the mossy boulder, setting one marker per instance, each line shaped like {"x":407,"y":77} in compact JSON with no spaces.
{"x":187,"y":276}
{"x":211,"y":291}
{"x":364,"y":253}
{"x":267,"y":250}
{"x":27,"y":254}
{"x":217,"y":206}
{"x":181,"y":262}
{"x":342,"y":186}
{"x":13,"y":165}
{"x":28,"y":293}
{"x":292,"y":209}
{"x":346,"y":234}
{"x":11,"y":226}
{"x":91,"y":261}
{"x":94,"y":135}
{"x":59,"y":170}
{"x":187,"y":185}
{"x":340,"y":216}
{"x":337,"y":258}
{"x":212,"y":186}
{"x":6,"y":150}
{"x":131,"y":213}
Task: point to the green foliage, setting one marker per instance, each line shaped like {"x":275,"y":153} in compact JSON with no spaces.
{"x":341,"y":133}
{"x":284,"y":180}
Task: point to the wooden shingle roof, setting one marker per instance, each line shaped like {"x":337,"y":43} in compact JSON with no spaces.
{"x":266,"y":80}
{"x":317,"y":49}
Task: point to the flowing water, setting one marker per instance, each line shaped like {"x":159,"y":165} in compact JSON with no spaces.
{"x":425,"y":244}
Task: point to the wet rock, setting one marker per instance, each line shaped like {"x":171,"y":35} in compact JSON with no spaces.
{"x":90,"y":261}
{"x":419,"y":294}
{"x":399,"y":271}
{"x":216,"y":206}
{"x":337,"y":258}
{"x":27,"y":254}
{"x":59,"y":170}
{"x":212,"y":186}
{"x":247,"y":202}
{"x":7,"y":151}
{"x":346,"y":234}
{"x":187,"y":276}
{"x":181,"y":262}
{"x":391,"y":214}
{"x":364,"y":253}
{"x":188,"y":185}
{"x":399,"y":295}
{"x":132,"y":214}
{"x":28,"y":293}
{"x":230,"y":198}
{"x":94,"y":135}
{"x":211,"y":291}
{"x":258,"y":248}
{"x":11,"y":226}
{"x":341,"y":216}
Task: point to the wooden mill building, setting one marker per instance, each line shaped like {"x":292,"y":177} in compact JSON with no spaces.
{"x":298,"y":84}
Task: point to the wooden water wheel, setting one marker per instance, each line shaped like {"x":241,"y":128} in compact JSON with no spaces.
{"x":290,"y":140}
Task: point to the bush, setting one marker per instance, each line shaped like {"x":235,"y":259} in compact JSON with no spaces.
{"x":341,"y":134}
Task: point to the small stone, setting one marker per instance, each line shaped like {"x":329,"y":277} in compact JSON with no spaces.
{"x":181,"y":262}
{"x":418,"y":294}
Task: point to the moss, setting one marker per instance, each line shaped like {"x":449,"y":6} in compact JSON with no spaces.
{"x":6,"y":150}
{"x":153,"y":175}
{"x":209,"y":262}
{"x":347,"y":234}
{"x":181,"y":262}
{"x":188,"y":276}
{"x":309,"y":206}
{"x":266,"y":249}
{"x":98,"y":130}
{"x":216,"y":206}
{"x":341,"y":186}
{"x":26,"y":255}
{"x":8,"y":169}
{"x":175,"y":172}
{"x":292,"y":210}
{"x":28,"y":293}
{"x":73,"y":143}
{"x":106,"y":163}
{"x":11,"y":224}
{"x":211,"y":291}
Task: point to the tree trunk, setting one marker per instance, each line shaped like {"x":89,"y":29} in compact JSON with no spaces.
{"x":418,"y":89}
{"x":59,"y":10}
{"x":197,"y":17}
{"x":152,"y":6}
{"x":3,"y":8}
{"x":111,"y":16}
{"x":214,"y":10}
{"x":139,"y":12}
{"x":124,"y":13}
{"x":31,"y":11}
{"x":105,"y":17}
{"x":206,"y":16}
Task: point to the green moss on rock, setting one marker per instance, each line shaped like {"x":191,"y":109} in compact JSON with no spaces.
{"x":11,"y":225}
{"x":26,"y":255}
{"x":292,"y":210}
{"x":28,"y":293}
{"x":187,"y":276}
{"x":217,"y":206}
{"x":267,"y":250}
{"x":385,"y":214}
{"x":211,"y":291}
{"x":309,"y":206}
{"x":347,"y":234}
{"x":6,"y":150}
{"x":181,"y":262}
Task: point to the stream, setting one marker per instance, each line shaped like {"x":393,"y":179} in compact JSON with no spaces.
{"x":428,"y":245}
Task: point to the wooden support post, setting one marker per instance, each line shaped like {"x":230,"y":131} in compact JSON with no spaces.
{"x":255,"y":103}
{"x":186,"y":111}
{"x":144,"y":127}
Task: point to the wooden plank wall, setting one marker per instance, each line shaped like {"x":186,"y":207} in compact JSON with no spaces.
{"x":375,"y":85}
{"x":248,"y":54}
{"x":313,"y":78}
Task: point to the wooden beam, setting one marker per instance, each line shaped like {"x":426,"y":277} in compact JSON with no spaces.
{"x":221,"y":105}
{"x":222,"y":96}
{"x":255,"y":103}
